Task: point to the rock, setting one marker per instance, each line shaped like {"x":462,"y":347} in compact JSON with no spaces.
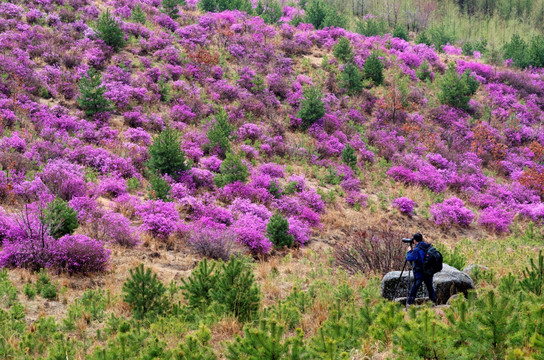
{"x":472,"y":267}
{"x":446,"y":283}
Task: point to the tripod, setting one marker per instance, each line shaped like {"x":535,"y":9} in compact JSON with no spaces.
{"x":400,"y":277}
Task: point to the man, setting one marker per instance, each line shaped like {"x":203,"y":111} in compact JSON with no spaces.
{"x":417,"y":256}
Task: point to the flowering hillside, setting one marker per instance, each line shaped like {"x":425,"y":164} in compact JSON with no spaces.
{"x":127,"y":123}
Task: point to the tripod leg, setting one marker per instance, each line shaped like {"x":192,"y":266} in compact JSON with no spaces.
{"x":398,"y":281}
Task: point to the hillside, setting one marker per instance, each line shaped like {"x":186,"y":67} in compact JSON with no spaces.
{"x":140,"y":132}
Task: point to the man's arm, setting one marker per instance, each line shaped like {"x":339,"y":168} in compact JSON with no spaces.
{"x":412,"y":255}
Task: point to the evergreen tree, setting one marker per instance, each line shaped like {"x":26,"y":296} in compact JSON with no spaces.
{"x":159,"y":188}
{"x":371,"y":27}
{"x":456,"y":91}
{"x":165,"y":154}
{"x":349,"y":156}
{"x":232,"y":169}
{"x":311,"y":108}
{"x":220,"y":134}
{"x":92,"y":99}
{"x":351,"y":79}
{"x":424,"y":71}
{"x":373,"y":69}
{"x":208,"y":5}
{"x":60,"y":218}
{"x":196,"y":346}
{"x":423,"y":38}
{"x":145,"y":293}
{"x":342,"y":50}
{"x":235,"y":289}
{"x":536,"y":51}
{"x":196,"y":289}
{"x":267,"y":343}
{"x":138,"y":15}
{"x":271,"y":12}
{"x":400,"y":32}
{"x":316,"y":11}
{"x":277,"y":231}
{"x":334,"y":18}
{"x":170,"y":8}
{"x":533,"y":280}
{"x":108,"y":29}
{"x":517,"y":50}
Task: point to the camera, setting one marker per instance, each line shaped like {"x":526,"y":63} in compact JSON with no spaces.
{"x":408,"y":241}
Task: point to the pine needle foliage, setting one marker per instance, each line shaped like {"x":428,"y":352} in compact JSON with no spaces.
{"x":533,"y":280}
{"x":170,"y":8}
{"x":312,"y":108}
{"x":220,"y":134}
{"x":235,"y":289}
{"x":373,"y":69}
{"x":165,"y":154}
{"x":342,"y":50}
{"x":108,"y":29}
{"x":138,"y":15}
{"x":232,"y":170}
{"x":145,"y":293}
{"x":196,"y":346}
{"x":277,"y":230}
{"x":349,"y":156}
{"x":267,"y":342}
{"x":60,"y":218}
{"x":92,"y":99}
{"x":196,"y":289}
{"x":351,"y":79}
{"x":159,"y":188}
{"x":457,"y":90}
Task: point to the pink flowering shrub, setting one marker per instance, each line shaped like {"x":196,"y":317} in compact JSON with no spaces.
{"x":64,"y":179}
{"x":116,"y":228}
{"x":452,"y":211}
{"x":158,"y":218}
{"x":251,"y":231}
{"x":496,"y":219}
{"x":80,"y":254}
{"x":405,"y":205}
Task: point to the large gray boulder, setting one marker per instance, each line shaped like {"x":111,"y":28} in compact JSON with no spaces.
{"x":446,"y":283}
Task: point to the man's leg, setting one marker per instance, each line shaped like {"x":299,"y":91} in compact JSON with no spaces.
{"x":430,"y":289}
{"x":412,"y":297}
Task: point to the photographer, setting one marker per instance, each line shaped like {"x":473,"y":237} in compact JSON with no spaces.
{"x":417,"y":256}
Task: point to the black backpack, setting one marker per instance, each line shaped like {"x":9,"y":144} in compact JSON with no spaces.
{"x":432,"y":262}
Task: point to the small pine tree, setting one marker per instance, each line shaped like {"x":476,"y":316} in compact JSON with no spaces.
{"x":349,"y":156}
{"x":165,"y":154}
{"x":316,"y":11}
{"x":311,"y":108}
{"x":196,"y":289}
{"x":456,"y":91}
{"x":400,"y":32}
{"x":219,"y":134}
{"x":424,"y":71}
{"x":351,"y":79}
{"x":423,"y":38}
{"x":138,"y":15}
{"x":170,"y":8}
{"x":342,"y":50}
{"x":208,"y":5}
{"x":271,"y":12}
{"x":274,"y":189}
{"x":159,"y":188}
{"x":536,"y":51}
{"x":373,"y":69}
{"x":517,"y":50}
{"x":60,"y":218}
{"x":232,"y":169}
{"x":533,"y":280}
{"x":145,"y":293}
{"x":277,"y":231}
{"x":92,"y":99}
{"x":196,"y":346}
{"x":235,"y":289}
{"x":267,"y":343}
{"x":108,"y":29}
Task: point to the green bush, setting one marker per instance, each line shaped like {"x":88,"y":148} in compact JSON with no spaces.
{"x":45,"y":287}
{"x":138,"y":15}
{"x":92,"y":99}
{"x":517,"y":50}
{"x":270,"y":12}
{"x":536,"y":51}
{"x":351,"y":79}
{"x":400,"y":32}
{"x":196,"y":289}
{"x":373,"y":69}
{"x":277,"y":231}
{"x":533,"y":278}
{"x":220,"y":134}
{"x":316,"y":11}
{"x":440,"y":37}
{"x":145,"y":293}
{"x":235,"y":289}
{"x":196,"y":346}
{"x":342,"y":50}
{"x":159,"y":188}
{"x":422,"y":37}
{"x":349,"y":156}
{"x":108,"y":29}
{"x":170,"y":8}
{"x":424,"y":71}
{"x":371,"y":27}
{"x":457,"y":90}
{"x":60,"y":218}
{"x":165,"y":154}
{"x":311,"y":108}
{"x":232,"y":169}
{"x":30,"y":291}
{"x":222,"y":5}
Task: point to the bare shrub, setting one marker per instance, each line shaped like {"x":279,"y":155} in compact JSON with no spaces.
{"x":214,"y":243}
{"x":372,"y":250}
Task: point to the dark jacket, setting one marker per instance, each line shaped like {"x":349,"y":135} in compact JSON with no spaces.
{"x":418,"y":256}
